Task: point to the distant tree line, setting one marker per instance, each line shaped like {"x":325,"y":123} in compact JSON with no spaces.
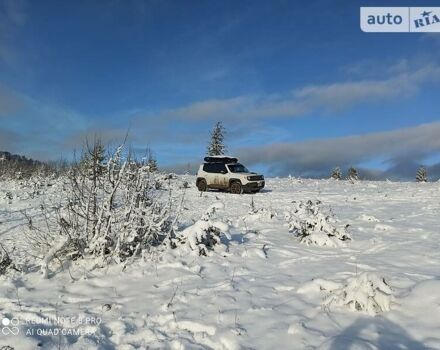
{"x":17,"y":166}
{"x":13,"y":166}
{"x":352,"y":174}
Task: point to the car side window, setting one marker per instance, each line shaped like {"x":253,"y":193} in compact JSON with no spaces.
{"x":207,"y":168}
{"x":217,"y":168}
{"x":220,"y":168}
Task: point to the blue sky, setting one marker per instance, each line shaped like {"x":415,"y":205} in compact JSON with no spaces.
{"x":297,"y":84}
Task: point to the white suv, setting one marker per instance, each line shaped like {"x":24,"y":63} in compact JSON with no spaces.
{"x":225,"y":173}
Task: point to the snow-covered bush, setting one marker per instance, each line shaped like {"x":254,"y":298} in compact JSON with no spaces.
{"x":367,"y":292}
{"x":352,"y":175}
{"x":113,"y":212}
{"x":336,"y":174}
{"x":158,"y":184}
{"x":313,"y":226}
{"x":5,"y":261}
{"x":9,"y":196}
{"x":260,"y":213}
{"x":422,"y":175}
{"x":151,"y":161}
{"x":204,"y":235}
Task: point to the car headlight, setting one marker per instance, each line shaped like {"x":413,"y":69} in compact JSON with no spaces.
{"x":248,"y":177}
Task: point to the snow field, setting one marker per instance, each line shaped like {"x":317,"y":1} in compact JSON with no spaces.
{"x":260,"y":288}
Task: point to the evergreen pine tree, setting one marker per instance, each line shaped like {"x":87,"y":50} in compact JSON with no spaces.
{"x":92,"y":167}
{"x":352,"y":174}
{"x":92,"y":160}
{"x":216,"y":146}
{"x":336,"y":173}
{"x":422,"y":175}
{"x":152,"y":162}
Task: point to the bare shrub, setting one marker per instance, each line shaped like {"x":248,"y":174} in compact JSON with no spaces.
{"x":113,"y":212}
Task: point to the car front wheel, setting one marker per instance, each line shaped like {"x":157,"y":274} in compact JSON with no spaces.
{"x":236,"y":188}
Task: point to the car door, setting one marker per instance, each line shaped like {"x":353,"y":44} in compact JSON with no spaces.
{"x":210,"y":174}
{"x":221,"y":176}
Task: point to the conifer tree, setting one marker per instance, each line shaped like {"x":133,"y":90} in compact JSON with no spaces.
{"x":152,"y":162}
{"x":92,"y":160}
{"x":422,"y":175}
{"x":90,"y":170}
{"x":352,"y":174}
{"x":336,"y":173}
{"x":216,"y":145}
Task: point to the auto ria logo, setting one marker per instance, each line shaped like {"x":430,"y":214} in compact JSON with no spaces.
{"x":400,"y":19}
{"x":428,"y":18}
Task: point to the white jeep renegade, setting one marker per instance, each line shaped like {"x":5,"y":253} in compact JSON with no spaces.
{"x":225,"y":173}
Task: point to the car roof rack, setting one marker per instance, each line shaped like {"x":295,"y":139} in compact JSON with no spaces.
{"x":220,"y":159}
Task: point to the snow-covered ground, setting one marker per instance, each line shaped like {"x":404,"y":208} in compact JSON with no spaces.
{"x":265,"y":291}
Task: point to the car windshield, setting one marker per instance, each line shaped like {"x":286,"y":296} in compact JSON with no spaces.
{"x":237,"y":168}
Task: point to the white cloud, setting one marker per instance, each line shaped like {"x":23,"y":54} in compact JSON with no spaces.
{"x":213,"y":108}
{"x":404,"y":82}
{"x":318,"y":156}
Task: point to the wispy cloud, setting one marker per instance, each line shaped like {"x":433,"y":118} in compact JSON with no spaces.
{"x":105,"y":134}
{"x":210,"y":109}
{"x":316,"y":157}
{"x":332,"y":97}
